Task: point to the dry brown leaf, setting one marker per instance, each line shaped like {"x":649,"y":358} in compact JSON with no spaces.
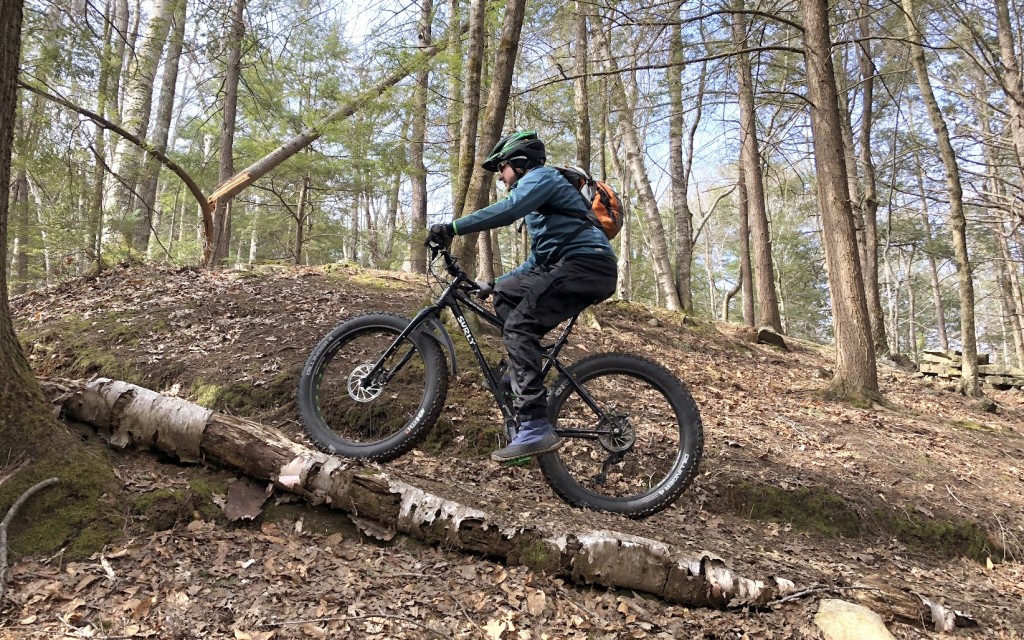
{"x":85,"y":582}
{"x":245,"y":500}
{"x":536,"y":601}
{"x":495,"y":628}
{"x":142,"y":609}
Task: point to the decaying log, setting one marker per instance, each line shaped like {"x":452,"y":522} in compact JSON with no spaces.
{"x":138,"y":417}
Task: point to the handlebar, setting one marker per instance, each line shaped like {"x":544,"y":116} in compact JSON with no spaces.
{"x":451,"y":265}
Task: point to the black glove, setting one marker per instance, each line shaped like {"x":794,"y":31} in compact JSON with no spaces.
{"x":484,"y":289}
{"x":440,"y":235}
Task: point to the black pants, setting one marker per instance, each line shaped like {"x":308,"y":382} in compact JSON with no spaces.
{"x":535,"y":302}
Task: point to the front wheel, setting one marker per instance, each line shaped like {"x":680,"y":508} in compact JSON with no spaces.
{"x":351,"y":407}
{"x":632,"y":439}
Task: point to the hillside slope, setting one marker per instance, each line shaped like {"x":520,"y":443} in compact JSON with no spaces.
{"x":923,"y":491}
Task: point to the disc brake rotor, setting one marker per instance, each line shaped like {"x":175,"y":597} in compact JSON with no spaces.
{"x":621,"y":437}
{"x":359,"y":392}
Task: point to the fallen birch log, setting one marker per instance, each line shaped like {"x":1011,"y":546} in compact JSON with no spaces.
{"x":135,"y":416}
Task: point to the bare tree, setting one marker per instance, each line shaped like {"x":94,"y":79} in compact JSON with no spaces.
{"x":138,"y":101}
{"x":678,"y":167}
{"x":581,"y":99}
{"x":750,"y":158}
{"x":417,"y":169}
{"x":162,"y":126}
{"x":855,"y":375}
{"x":1010,"y":80}
{"x":493,"y":121}
{"x":627,"y":129}
{"x":746,"y":269}
{"x":229,"y":110}
{"x":624,"y":285}
{"x":957,"y":221}
{"x":869,"y":196}
{"x":933,"y":266}
{"x":471,"y":93}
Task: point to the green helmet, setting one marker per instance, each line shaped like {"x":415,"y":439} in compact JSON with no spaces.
{"x":521,"y":144}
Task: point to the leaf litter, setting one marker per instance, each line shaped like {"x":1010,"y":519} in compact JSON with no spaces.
{"x":928,"y":452}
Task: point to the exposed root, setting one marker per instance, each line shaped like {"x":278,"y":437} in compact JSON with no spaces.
{"x":8,"y":519}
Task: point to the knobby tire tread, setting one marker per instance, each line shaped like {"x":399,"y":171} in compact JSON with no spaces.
{"x":562,"y":482}
{"x":391,"y":447}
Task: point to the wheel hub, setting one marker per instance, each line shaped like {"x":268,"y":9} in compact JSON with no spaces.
{"x":359,"y":391}
{"x":621,"y":436}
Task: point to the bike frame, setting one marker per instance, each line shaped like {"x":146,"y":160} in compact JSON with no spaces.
{"x":455,"y":298}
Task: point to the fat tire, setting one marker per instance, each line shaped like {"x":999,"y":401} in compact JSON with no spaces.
{"x":404,"y":439}
{"x":691,"y":433}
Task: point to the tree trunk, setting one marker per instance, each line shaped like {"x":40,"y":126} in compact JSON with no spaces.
{"x":624,"y":285}
{"x":679,"y":167}
{"x":120,"y":37}
{"x":645,"y":193}
{"x":869,"y":196}
{"x":162,"y":125}
{"x":391,"y":212}
{"x":493,"y":119}
{"x":27,"y":426}
{"x":1011,"y":321}
{"x":229,"y":112}
{"x":138,"y":100}
{"x":353,"y":243}
{"x":746,"y":269}
{"x":709,"y":267}
{"x":456,"y":69}
{"x":912,"y":305}
{"x":300,"y":220}
{"x":855,"y":374}
{"x":750,"y":157}
{"x":485,"y":255}
{"x":21,"y":210}
{"x":1011,"y":80}
{"x":1006,"y":270}
{"x":933,"y":267}
{"x":417,"y":169}
{"x":581,"y":99}
{"x":471,"y":92}
{"x":94,"y":227}
{"x":957,"y":221}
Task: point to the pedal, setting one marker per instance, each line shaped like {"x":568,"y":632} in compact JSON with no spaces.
{"x":519,"y":462}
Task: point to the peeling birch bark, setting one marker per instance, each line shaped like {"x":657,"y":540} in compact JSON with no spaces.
{"x":139,"y":417}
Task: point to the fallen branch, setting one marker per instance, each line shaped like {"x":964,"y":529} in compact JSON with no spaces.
{"x":12,"y":469}
{"x":161,"y":157}
{"x":814,"y":591}
{"x":13,"y":511}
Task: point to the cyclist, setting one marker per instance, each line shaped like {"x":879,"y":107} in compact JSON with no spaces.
{"x":570,"y":267}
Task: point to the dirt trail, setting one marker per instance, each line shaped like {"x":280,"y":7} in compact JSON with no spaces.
{"x":815,"y":491}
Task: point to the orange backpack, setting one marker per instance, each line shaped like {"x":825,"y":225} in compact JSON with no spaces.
{"x":605,"y":205}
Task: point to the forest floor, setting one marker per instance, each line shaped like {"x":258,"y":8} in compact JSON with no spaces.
{"x":926,"y":491}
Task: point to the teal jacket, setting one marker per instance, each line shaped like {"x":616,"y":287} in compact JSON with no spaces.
{"x":552,"y":208}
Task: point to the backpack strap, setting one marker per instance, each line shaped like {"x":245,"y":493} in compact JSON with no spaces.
{"x":557,"y":254}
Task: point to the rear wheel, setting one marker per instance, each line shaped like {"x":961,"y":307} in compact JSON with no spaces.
{"x":348,"y":413}
{"x":650,"y":443}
